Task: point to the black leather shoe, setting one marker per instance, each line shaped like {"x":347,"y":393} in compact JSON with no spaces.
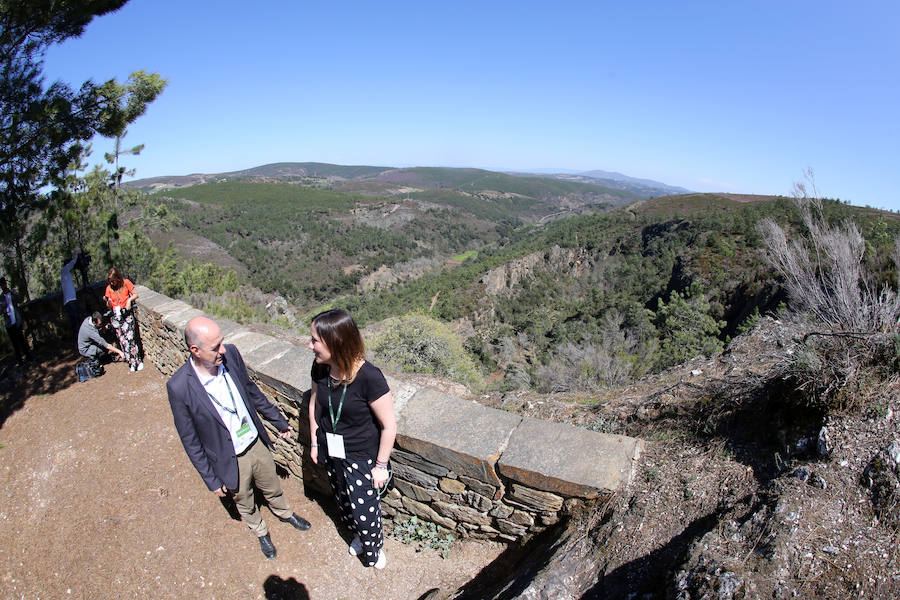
{"x":265,"y":543}
{"x":298,"y":522}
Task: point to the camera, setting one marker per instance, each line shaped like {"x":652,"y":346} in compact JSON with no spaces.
{"x":83,"y":261}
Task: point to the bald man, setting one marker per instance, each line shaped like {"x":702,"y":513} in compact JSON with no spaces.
{"x":216,"y":409}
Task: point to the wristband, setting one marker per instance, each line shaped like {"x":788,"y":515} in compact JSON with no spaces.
{"x":313,"y":445}
{"x":381,"y":465}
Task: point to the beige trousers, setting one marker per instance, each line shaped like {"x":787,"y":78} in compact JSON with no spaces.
{"x":256,"y":468}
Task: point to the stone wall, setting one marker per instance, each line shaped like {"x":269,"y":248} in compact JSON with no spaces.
{"x":475,"y":470}
{"x":46,"y":321}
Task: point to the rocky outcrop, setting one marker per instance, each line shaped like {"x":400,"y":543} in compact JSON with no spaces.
{"x":571,"y":261}
{"x":384,"y":276}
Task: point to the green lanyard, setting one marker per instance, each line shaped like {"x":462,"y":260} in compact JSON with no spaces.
{"x":219,"y":404}
{"x":335,"y":419}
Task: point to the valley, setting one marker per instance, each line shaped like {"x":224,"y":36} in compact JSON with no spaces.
{"x":550,"y":285}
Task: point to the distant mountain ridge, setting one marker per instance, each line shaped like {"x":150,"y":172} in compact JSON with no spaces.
{"x":647,"y":188}
{"x":277,"y":171}
{"x":425,"y":177}
{"x":310,"y":169}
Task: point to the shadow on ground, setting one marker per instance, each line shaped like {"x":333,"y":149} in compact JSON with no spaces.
{"x":49,"y":371}
{"x":645,"y":576}
{"x":277,"y":588}
{"x":511,"y":572}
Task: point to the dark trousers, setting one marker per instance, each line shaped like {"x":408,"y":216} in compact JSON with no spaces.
{"x":73,"y":310}
{"x":94,"y":362}
{"x":357,"y":500}
{"x":20,"y":346}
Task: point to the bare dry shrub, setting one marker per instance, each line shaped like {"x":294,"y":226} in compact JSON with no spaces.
{"x":609,"y":361}
{"x":841,"y":373}
{"x":850,"y":318}
{"x":825,"y":275}
{"x":584,"y":367}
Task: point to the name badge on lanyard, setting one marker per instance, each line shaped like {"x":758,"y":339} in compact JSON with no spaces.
{"x":335,"y":445}
{"x":334,"y":441}
{"x":244,"y":429}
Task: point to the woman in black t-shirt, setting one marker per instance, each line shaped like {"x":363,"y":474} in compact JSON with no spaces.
{"x":352,"y":427}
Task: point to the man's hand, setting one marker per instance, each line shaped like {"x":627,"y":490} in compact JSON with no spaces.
{"x":286,"y":433}
{"x":221,"y":492}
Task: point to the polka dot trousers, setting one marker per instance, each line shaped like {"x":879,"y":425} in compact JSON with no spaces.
{"x":357,"y":500}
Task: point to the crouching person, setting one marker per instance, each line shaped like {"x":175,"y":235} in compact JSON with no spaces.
{"x":91,"y":344}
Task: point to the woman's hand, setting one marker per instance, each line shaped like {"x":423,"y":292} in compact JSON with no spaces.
{"x":383,"y":408}
{"x":313,"y":428}
{"x":379,"y":477}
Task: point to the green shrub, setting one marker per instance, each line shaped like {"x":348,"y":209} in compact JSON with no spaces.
{"x":423,"y":534}
{"x":236,"y":309}
{"x":748,"y":323}
{"x":416,"y":343}
{"x":840,"y":373}
{"x":178,"y":279}
{"x":686,"y":327}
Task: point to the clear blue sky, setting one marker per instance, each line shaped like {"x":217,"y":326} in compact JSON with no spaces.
{"x":711,"y":96}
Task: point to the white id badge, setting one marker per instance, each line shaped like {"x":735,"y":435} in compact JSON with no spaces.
{"x":335,"y":445}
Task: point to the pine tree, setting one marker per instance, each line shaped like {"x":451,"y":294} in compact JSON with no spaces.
{"x":43,"y":128}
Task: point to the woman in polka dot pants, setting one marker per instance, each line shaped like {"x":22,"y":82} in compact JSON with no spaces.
{"x":360,"y":512}
{"x":352,"y":428}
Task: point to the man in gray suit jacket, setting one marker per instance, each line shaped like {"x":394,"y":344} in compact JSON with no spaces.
{"x":216,"y":408}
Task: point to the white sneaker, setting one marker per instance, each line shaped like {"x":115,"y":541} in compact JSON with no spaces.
{"x":131,"y":369}
{"x":355,"y":547}
{"x":382,"y":559}
{"x":140,"y":366}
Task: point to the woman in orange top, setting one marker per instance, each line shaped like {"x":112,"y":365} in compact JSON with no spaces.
{"x":118,"y":297}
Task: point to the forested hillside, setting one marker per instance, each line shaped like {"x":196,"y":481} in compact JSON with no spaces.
{"x":540,"y":300}
{"x":317,"y":239}
{"x":594,"y":301}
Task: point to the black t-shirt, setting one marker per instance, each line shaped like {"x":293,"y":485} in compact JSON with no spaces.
{"x":357,"y":422}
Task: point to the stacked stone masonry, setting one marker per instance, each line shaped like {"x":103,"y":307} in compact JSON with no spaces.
{"x":477,"y":471}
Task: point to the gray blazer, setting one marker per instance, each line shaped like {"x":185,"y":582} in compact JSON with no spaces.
{"x":204,"y":435}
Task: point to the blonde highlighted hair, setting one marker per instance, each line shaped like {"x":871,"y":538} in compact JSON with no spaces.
{"x":338,"y":331}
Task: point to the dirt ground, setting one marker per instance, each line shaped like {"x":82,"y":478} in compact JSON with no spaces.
{"x":99,"y":500}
